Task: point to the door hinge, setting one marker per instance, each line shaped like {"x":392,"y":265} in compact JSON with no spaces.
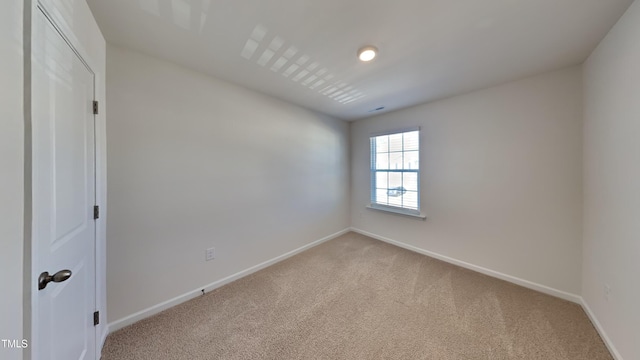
{"x":95,"y":107}
{"x":96,"y":212}
{"x":96,"y":318}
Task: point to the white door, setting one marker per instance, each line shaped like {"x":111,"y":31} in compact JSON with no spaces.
{"x":63,"y":197}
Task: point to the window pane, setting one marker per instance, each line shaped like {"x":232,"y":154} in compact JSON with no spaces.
{"x":395,"y":142}
{"x":382,"y":161}
{"x":410,"y":181}
{"x":411,"y":160}
{"x":395,"y":170}
{"x":395,"y":161}
{"x":411,"y":140}
{"x":395,"y":201}
{"x":395,"y":180}
{"x":410,"y":200}
{"x":382,"y":143}
{"x":381,"y":196}
{"x":381,"y":180}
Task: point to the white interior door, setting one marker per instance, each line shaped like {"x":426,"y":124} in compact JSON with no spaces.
{"x":63,"y":197}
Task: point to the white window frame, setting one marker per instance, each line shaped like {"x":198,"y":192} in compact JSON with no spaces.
{"x":373,"y":171}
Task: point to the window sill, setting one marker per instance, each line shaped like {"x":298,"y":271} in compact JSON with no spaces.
{"x":396,"y":211}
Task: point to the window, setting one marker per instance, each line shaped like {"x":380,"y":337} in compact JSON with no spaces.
{"x":395,"y":172}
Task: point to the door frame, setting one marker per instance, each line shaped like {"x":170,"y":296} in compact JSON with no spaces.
{"x":51,"y":10}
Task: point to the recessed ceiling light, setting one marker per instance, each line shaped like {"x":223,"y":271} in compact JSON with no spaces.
{"x":367,"y":53}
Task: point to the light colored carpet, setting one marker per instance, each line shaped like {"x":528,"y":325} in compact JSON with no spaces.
{"x":358,"y":298}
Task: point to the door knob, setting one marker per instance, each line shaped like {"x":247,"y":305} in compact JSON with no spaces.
{"x":45,"y":278}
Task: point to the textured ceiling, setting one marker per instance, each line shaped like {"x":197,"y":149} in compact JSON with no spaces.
{"x":304,"y":51}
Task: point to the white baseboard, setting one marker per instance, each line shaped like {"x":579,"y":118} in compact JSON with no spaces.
{"x":496,"y":274}
{"x":605,"y":338}
{"x":128,"y":320}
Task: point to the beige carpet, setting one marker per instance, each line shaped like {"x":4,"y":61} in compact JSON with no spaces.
{"x":358,"y":298}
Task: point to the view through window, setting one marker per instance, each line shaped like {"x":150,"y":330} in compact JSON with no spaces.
{"x":395,"y":171}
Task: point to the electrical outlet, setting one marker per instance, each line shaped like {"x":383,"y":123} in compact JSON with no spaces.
{"x":607,"y":291}
{"x":210,"y":254}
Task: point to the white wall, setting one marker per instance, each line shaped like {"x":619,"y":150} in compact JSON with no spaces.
{"x":11,"y":175}
{"x":196,"y":162}
{"x":501,"y":179}
{"x":612,"y":183}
